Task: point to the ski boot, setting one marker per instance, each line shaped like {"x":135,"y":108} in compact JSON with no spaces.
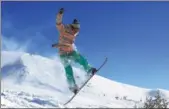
{"x":74,"y":89}
{"x":91,"y":72}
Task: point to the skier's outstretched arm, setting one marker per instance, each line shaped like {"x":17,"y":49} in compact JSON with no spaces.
{"x":59,"y":16}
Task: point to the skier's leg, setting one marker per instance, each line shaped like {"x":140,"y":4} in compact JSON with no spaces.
{"x":68,"y":69}
{"x":78,"y":58}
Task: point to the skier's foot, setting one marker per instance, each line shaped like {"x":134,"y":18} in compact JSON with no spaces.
{"x":92,"y":71}
{"x":74,"y":89}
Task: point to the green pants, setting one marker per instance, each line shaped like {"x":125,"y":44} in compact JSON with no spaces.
{"x":66,"y":60}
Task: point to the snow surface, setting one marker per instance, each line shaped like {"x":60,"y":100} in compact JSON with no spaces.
{"x":34,"y":81}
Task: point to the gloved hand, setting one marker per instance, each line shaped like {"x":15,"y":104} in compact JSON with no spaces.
{"x":54,"y":45}
{"x":61,"y":10}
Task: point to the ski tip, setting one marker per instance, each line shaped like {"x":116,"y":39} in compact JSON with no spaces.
{"x":106,"y":58}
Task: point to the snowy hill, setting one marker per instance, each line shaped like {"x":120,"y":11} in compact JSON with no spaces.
{"x":35,"y":81}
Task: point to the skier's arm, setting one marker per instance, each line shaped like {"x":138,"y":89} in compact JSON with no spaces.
{"x":59,"y":17}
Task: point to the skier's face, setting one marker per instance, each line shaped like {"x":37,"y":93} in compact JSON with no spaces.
{"x":75,"y":30}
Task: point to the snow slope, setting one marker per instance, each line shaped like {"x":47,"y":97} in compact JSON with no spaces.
{"x":34,"y":81}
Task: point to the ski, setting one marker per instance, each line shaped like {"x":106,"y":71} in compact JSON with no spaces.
{"x":86,"y":82}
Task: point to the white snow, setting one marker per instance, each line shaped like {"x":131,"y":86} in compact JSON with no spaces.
{"x":34,"y":81}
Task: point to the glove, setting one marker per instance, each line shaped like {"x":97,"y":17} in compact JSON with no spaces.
{"x":61,"y":10}
{"x":54,"y":45}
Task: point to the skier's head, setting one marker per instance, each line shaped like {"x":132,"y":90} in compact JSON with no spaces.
{"x":75,"y":25}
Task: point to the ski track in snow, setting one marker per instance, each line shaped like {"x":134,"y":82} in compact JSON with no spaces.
{"x":33,"y":81}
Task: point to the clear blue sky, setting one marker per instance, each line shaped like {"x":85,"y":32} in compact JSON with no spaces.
{"x":133,"y":35}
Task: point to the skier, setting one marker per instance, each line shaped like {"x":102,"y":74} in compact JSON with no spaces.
{"x":67,"y":53}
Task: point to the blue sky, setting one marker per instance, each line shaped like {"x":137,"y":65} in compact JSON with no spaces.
{"x":133,"y":35}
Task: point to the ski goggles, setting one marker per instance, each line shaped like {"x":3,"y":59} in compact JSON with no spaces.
{"x":76,"y":26}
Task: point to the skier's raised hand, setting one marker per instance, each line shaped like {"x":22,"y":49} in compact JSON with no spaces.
{"x":59,"y":16}
{"x":61,"y":10}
